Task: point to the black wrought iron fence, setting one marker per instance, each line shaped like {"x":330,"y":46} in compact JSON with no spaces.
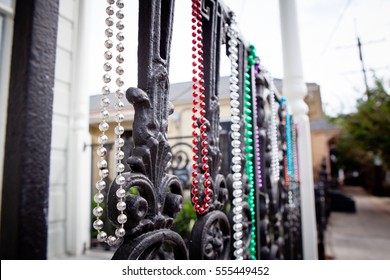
{"x":248,"y":206}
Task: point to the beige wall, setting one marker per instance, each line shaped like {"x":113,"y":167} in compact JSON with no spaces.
{"x":320,"y":150}
{"x":180,"y":121}
{"x":180,"y":126}
{"x":313,"y":100}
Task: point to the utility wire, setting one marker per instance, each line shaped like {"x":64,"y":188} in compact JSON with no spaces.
{"x":335,"y":28}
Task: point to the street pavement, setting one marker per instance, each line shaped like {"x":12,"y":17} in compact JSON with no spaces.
{"x":364,"y":235}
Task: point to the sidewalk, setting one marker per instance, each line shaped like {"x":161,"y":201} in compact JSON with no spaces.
{"x":95,"y":254}
{"x":364,"y":235}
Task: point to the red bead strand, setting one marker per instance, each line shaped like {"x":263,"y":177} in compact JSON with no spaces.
{"x":200,"y":166}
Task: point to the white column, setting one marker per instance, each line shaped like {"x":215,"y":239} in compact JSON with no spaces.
{"x":294,"y":88}
{"x":79,"y":151}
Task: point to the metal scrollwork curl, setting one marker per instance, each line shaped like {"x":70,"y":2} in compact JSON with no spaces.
{"x":156,"y":245}
{"x":210,"y":238}
{"x":153,"y":197}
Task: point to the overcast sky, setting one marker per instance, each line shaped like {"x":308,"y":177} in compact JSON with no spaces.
{"x":328,"y":30}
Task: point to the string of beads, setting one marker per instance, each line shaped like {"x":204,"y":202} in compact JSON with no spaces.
{"x":249,"y":145}
{"x":275,"y":167}
{"x":289,"y":151}
{"x":235,"y":118}
{"x":103,"y":126}
{"x":257,"y":135}
{"x":295,"y":163}
{"x":200,"y":174}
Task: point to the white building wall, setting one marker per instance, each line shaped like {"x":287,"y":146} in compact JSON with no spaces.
{"x":69,"y":194}
{"x":60,"y":132}
{"x":68,"y":214}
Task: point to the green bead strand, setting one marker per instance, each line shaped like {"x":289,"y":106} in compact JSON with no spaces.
{"x":249,"y":148}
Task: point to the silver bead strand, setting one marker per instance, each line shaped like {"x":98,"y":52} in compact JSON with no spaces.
{"x":103,"y":126}
{"x":236,"y":144}
{"x":119,"y":130}
{"x":274,"y":134}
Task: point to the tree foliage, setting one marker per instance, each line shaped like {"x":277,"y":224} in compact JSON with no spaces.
{"x":366,"y":133}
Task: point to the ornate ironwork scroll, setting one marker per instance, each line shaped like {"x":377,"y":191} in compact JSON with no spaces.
{"x":320,"y":203}
{"x":262,"y":198}
{"x":272,"y":198}
{"x":286,"y":211}
{"x":283,"y":237}
{"x":295,"y":209}
{"x":180,"y":163}
{"x":211,"y":234}
{"x":154,"y":197}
